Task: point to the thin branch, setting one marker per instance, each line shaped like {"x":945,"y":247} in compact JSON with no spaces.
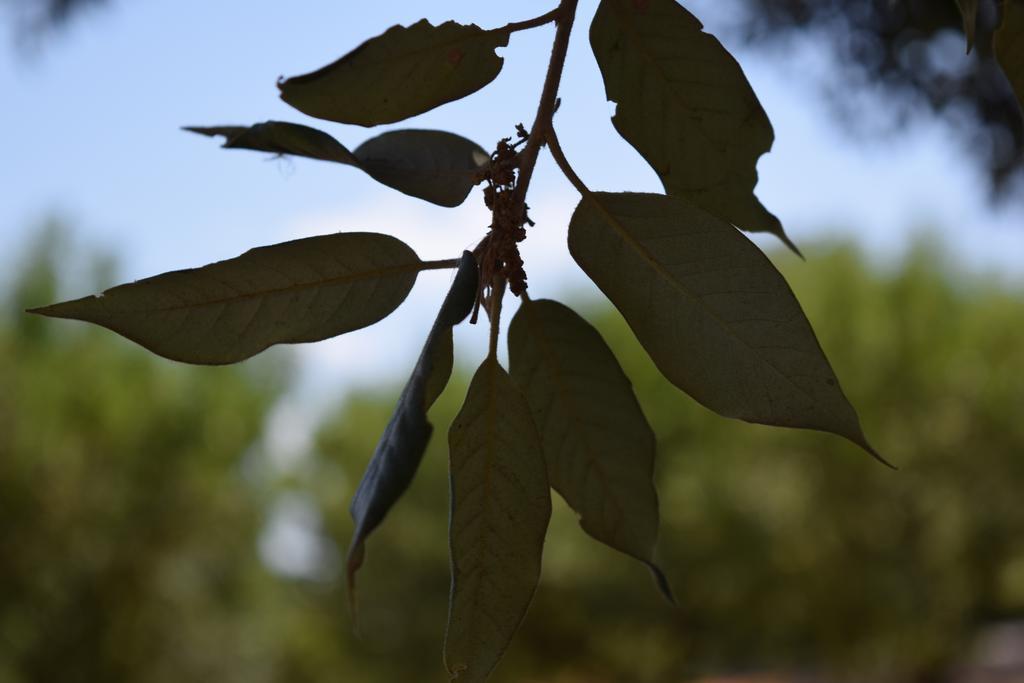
{"x":497,"y":294}
{"x":543,"y":19}
{"x":440,"y":265}
{"x":515,"y":211}
{"x":546,"y":109}
{"x":559,"y":156}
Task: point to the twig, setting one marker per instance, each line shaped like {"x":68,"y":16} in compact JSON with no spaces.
{"x":559,"y":156}
{"x":543,"y":19}
{"x":497,"y":294}
{"x":440,"y":265}
{"x":511,"y":215}
{"x":546,"y":108}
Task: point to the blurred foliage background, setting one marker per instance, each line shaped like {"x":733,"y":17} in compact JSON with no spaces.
{"x":136,"y":498}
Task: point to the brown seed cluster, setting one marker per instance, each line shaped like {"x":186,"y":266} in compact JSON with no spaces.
{"x":498,"y":253}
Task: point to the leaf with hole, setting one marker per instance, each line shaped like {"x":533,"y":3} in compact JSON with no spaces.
{"x":434,"y":165}
{"x":500,"y":506}
{"x":685,"y":105}
{"x":405,"y":71}
{"x":712,"y":311}
{"x":1009,"y":46}
{"x":598,"y":446}
{"x":401,"y":447}
{"x":299,"y":291}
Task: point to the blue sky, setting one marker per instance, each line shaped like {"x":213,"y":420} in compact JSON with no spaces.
{"x":92,"y":134}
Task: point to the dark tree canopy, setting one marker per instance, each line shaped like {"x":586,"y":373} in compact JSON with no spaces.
{"x":913,"y":51}
{"x":34,"y":15}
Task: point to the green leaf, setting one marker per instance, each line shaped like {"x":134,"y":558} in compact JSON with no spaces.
{"x":499,"y":515}
{"x":598,"y":445}
{"x":1009,"y":46}
{"x":685,"y":105}
{"x":299,"y":291}
{"x":969,"y":10}
{"x":434,"y":165}
{"x":401,"y":73}
{"x":281,"y":137}
{"x":714,"y":314}
{"x":401,"y":447}
{"x":431,"y":164}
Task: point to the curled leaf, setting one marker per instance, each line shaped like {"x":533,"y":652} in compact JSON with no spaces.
{"x":712,"y":311}
{"x":299,"y":291}
{"x":598,"y":446}
{"x":499,"y":515}
{"x":685,"y":105}
{"x":405,"y":71}
{"x":401,"y":447}
{"x":434,"y":165}
{"x":281,"y":137}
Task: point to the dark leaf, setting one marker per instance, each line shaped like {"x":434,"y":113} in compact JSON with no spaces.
{"x":499,"y":515}
{"x":1009,"y":45}
{"x":430,"y":164}
{"x":281,"y":137}
{"x":685,"y":105}
{"x":299,"y":291}
{"x":434,"y":165}
{"x":598,"y":446}
{"x":404,"y":441}
{"x":401,"y":73}
{"x":715,"y":315}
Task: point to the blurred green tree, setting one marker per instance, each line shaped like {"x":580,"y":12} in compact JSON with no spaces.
{"x":787,"y":550}
{"x":130,"y":518}
{"x":127,"y":526}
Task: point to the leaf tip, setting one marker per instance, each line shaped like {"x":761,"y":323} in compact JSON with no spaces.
{"x":352,"y":565}
{"x":662,"y":582}
{"x":877,"y":456}
{"x":53,"y":310}
{"x":791,"y":245}
{"x":862,"y":441}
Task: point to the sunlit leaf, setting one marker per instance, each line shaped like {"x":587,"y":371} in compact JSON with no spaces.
{"x":434,"y":165}
{"x":299,"y":291}
{"x":715,"y":315}
{"x":500,"y":510}
{"x":404,"y":441}
{"x":598,"y":445}
{"x":969,"y":10}
{"x":685,"y":105}
{"x":401,"y":73}
{"x":1009,"y":46}
{"x":281,"y":137}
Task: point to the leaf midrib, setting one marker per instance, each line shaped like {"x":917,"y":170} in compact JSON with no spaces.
{"x":656,"y":265}
{"x":573,"y":409}
{"x":415,"y":267}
